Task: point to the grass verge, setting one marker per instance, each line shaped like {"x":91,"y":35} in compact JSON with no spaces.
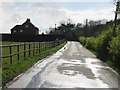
{"x":13,"y":70}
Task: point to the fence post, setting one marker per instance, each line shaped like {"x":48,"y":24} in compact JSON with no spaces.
{"x":54,"y":43}
{"x":24,"y":50}
{"x":10,"y":54}
{"x":44,"y":46}
{"x":33,"y":48}
{"x":18,"y":52}
{"x":39,"y":47}
{"x":29,"y":49}
{"x":51,"y":44}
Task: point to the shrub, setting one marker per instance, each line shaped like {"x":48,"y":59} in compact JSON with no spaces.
{"x":114,"y":49}
{"x":103,"y":43}
{"x":82,"y":40}
{"x":90,"y":43}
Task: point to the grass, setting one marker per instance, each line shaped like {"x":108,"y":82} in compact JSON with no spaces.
{"x":6,"y":51}
{"x":10,"y":71}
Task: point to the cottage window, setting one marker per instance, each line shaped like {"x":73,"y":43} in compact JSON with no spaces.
{"x":26,"y":26}
{"x":21,"y":30}
{"x":14,"y":31}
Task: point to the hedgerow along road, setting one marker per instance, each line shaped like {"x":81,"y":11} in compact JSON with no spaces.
{"x":72,"y":66}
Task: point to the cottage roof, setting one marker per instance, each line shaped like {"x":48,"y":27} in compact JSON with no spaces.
{"x":17,"y":26}
{"x":27,"y":22}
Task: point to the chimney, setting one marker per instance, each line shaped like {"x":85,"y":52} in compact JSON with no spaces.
{"x":28,"y":19}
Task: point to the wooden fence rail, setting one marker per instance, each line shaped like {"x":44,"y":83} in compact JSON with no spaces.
{"x":32,"y":48}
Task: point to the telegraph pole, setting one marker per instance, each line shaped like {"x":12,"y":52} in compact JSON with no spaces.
{"x":86,"y":27}
{"x":116,"y":15}
{"x":86,"y":21}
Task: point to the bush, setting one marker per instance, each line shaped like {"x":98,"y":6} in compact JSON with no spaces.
{"x":82,"y":40}
{"x":114,"y":49}
{"x":103,"y":43}
{"x":90,"y":43}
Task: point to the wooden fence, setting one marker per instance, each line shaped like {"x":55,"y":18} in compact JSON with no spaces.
{"x":32,"y":48}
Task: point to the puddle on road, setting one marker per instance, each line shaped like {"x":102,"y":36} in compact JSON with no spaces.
{"x":73,"y":69}
{"x":77,"y":61}
{"x":69,"y":72}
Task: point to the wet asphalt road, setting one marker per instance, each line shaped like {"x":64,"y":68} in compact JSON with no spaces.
{"x":73,"y":66}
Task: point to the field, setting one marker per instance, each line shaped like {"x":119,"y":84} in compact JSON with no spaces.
{"x":14,"y":50}
{"x":9,"y":71}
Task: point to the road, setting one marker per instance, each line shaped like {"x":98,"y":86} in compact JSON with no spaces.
{"x":73,"y":66}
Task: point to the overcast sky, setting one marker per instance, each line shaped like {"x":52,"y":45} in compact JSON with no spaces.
{"x":46,"y":14}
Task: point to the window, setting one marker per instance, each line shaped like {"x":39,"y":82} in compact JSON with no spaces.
{"x":21,"y":30}
{"x":14,"y":31}
{"x":26,"y":26}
